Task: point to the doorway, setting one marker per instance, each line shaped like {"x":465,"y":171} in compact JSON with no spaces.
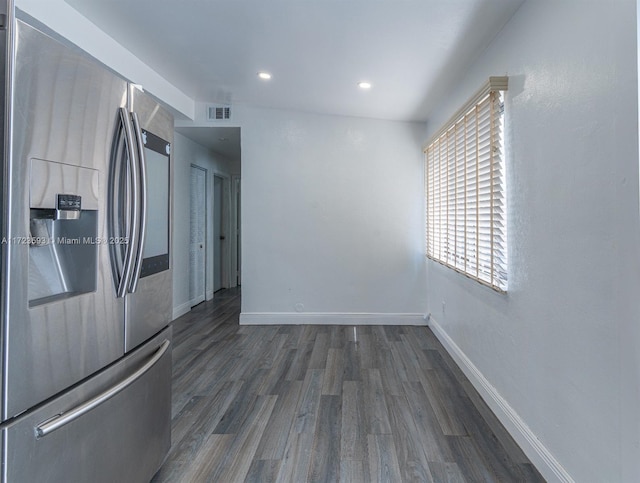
{"x":220,"y":208}
{"x":236,"y":254}
{"x":197,"y":251}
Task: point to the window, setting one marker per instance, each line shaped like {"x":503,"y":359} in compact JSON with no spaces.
{"x":465,"y":190}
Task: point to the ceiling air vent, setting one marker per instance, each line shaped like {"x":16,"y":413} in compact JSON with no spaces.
{"x":218,"y":113}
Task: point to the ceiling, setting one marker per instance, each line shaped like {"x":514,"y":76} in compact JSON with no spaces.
{"x":222,"y":140}
{"x":316,"y":50}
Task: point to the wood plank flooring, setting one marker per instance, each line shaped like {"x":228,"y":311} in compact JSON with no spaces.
{"x":326,"y":404}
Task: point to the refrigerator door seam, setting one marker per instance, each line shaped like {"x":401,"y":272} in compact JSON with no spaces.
{"x":143,"y":203}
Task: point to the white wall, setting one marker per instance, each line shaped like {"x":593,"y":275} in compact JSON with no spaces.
{"x":186,"y":153}
{"x":332,"y":223}
{"x":559,"y":355}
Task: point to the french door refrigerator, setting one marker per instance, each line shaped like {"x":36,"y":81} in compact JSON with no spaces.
{"x":85,"y":265}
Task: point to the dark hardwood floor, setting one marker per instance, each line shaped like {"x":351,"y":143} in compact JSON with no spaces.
{"x":326,"y":404}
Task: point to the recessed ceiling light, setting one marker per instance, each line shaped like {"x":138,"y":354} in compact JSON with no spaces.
{"x":264,"y":75}
{"x":364,"y":85}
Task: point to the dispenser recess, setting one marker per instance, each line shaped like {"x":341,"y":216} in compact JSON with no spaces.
{"x":63,"y":231}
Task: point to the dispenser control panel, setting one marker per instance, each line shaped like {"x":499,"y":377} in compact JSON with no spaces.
{"x":69,"y":202}
{"x":68,"y":207}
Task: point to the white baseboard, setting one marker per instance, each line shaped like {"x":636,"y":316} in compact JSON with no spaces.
{"x":329,"y":318}
{"x":209,"y":295}
{"x":539,"y":455}
{"x":181,"y":309}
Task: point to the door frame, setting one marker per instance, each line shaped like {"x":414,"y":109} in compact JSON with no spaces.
{"x":226,"y":279}
{"x":236,"y":238}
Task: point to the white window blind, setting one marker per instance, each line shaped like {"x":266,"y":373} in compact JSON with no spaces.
{"x":465,"y":190}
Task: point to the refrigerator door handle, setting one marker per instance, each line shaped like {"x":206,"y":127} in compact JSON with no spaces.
{"x":65,"y":418}
{"x":142,"y":168}
{"x":134,"y":219}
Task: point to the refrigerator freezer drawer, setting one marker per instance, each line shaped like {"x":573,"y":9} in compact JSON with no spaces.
{"x":114,"y":427}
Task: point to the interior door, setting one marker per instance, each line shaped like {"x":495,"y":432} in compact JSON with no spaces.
{"x":197,"y":235}
{"x":218,"y":233}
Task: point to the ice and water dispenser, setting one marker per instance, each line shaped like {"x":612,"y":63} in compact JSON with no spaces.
{"x":63,"y":224}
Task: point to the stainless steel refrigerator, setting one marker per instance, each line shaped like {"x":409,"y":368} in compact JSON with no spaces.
{"x":85,"y":265}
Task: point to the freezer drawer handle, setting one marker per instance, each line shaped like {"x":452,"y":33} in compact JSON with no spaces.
{"x":60,"y":420}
